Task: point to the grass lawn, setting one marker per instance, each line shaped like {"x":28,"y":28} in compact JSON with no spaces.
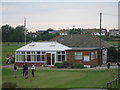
{"x":8,"y":48}
{"x":114,"y":42}
{"x":49,"y":78}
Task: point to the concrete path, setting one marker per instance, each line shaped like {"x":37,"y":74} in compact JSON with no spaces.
{"x":8,"y":66}
{"x":114,"y":66}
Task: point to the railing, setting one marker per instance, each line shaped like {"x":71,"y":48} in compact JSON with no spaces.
{"x":113,"y":84}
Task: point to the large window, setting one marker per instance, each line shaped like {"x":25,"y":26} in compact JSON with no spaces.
{"x":87,"y":58}
{"x":93,"y":55}
{"x":61,"y":56}
{"x":78,"y":55}
{"x":30,"y":56}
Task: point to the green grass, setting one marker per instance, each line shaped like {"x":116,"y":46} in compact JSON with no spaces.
{"x":49,"y":78}
{"x":54,"y":78}
{"x":8,"y":48}
{"x":114,"y":42}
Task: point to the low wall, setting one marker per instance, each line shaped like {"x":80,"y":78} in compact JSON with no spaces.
{"x":38,"y":64}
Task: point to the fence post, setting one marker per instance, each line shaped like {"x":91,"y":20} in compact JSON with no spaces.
{"x":110,"y":85}
{"x":116,"y":81}
{"x":107,"y":85}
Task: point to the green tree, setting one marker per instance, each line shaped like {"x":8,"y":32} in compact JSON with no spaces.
{"x":7,"y":31}
{"x":75,"y":31}
{"x":19,"y":34}
{"x":112,"y":55}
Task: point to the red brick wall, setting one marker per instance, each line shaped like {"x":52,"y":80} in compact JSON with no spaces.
{"x":38,"y":64}
{"x":71,"y":57}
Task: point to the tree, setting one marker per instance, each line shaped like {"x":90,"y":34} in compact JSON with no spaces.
{"x":75,"y":31}
{"x":19,"y":34}
{"x":112,"y":55}
{"x":7,"y":31}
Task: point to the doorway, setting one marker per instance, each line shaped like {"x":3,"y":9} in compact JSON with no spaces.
{"x":50,"y":58}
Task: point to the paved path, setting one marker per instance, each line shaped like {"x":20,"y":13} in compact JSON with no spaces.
{"x":103,"y":67}
{"x":8,"y":66}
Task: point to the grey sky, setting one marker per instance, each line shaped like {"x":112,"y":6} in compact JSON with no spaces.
{"x":59,"y":15}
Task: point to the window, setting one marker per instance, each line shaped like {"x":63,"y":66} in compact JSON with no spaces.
{"x":43,"y":52}
{"x":63,"y":52}
{"x":87,"y":58}
{"x":78,"y":55}
{"x":58,"y":53}
{"x":43,"y":57}
{"x":38,"y":52}
{"x":61,"y":56}
{"x":23,"y":52}
{"x":33,"y":52}
{"x":28,"y":52}
{"x":96,"y":54}
{"x":28,"y":58}
{"x":92,"y":55}
{"x":38,"y":57}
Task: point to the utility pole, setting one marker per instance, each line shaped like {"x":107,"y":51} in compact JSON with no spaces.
{"x":100,"y":60}
{"x":25,"y":29}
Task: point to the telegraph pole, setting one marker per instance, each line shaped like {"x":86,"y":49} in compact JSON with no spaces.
{"x":25,"y":29}
{"x":100,"y":60}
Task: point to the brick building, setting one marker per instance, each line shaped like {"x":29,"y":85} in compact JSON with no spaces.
{"x":82,"y":49}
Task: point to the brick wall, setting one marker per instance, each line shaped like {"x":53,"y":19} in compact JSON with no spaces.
{"x":38,"y":64}
{"x":71,"y":57}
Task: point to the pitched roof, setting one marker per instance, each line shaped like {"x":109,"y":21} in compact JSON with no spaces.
{"x":44,"y":46}
{"x":81,"y":41}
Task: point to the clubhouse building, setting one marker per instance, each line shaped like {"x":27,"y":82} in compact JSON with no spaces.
{"x":82,"y":49}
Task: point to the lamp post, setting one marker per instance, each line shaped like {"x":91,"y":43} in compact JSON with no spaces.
{"x":100,"y":52}
{"x":25,"y":29}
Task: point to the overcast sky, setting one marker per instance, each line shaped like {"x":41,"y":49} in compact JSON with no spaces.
{"x":59,"y":15}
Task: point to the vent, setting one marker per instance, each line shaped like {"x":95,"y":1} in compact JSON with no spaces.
{"x":53,"y":44}
{"x":31,"y":45}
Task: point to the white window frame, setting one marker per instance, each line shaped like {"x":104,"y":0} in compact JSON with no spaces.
{"x":86,"y":59}
{"x":78,"y":55}
{"x":60,"y":56}
{"x":92,"y":56}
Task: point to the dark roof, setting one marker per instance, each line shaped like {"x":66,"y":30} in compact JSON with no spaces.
{"x":93,"y":30}
{"x":81,"y":41}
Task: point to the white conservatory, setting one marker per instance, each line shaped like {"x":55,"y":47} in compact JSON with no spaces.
{"x":41,"y":53}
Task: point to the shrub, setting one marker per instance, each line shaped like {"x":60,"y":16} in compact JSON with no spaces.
{"x":59,"y":65}
{"x":66,"y":64}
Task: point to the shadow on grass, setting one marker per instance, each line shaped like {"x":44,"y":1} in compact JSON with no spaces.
{"x":9,"y":85}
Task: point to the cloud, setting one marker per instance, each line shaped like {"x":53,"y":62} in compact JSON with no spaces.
{"x":59,"y":15}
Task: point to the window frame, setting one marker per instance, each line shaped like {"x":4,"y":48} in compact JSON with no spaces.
{"x":80,"y":55}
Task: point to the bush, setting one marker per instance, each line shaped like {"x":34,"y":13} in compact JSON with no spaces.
{"x":66,"y":64}
{"x":77,"y":66}
{"x":59,"y":65}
